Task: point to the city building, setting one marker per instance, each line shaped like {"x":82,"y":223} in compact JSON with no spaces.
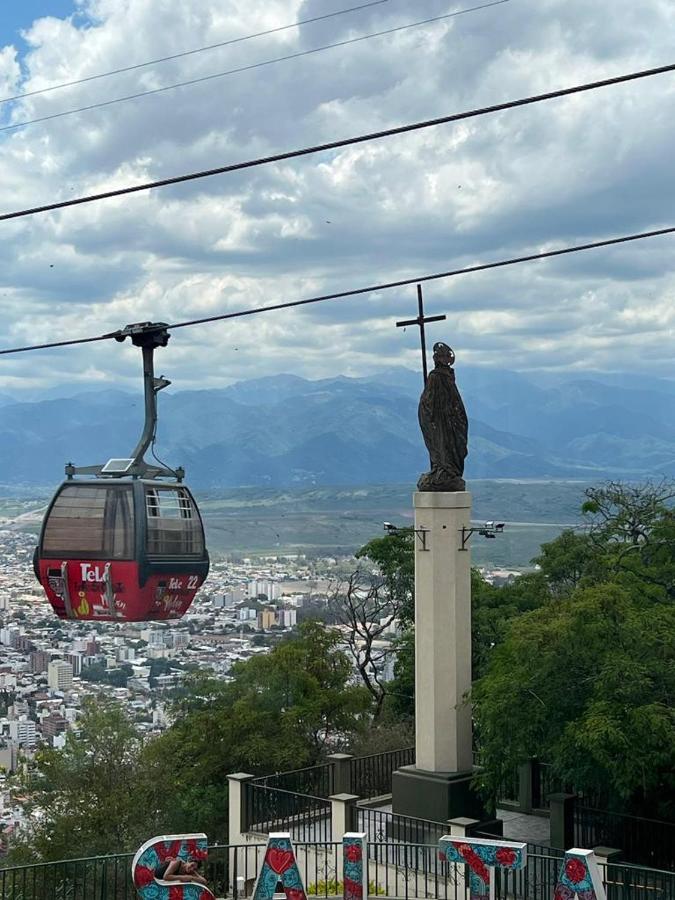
{"x":23,"y":732}
{"x":60,"y":675}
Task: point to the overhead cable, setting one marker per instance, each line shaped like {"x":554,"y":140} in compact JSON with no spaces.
{"x":247,"y":68}
{"x":371,"y":289}
{"x":183,"y":53}
{"x":344,"y":142}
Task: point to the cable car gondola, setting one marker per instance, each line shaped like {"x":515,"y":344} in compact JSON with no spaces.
{"x":122,"y":543}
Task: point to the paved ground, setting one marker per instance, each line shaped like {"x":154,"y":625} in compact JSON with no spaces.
{"x":521,"y":827}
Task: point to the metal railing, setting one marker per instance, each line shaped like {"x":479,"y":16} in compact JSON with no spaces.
{"x":383,"y":826}
{"x":231,"y":871}
{"x":544,"y":783}
{"x":509,"y":787}
{"x":370,"y":776}
{"x":628,"y":882}
{"x":268,"y":809}
{"x":105,"y":877}
{"x":648,"y":842}
{"x":397,"y":870}
{"x":314,"y":780}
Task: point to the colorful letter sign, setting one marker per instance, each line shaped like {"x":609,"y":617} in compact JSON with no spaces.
{"x":279,"y":865}
{"x":579,"y":877}
{"x":354,"y":876}
{"x":158,"y":850}
{"x":482,"y":855}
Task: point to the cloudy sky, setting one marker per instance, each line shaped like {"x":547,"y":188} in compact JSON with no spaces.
{"x":557,"y":173}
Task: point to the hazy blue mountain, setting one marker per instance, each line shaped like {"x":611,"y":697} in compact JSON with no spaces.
{"x":286,"y":430}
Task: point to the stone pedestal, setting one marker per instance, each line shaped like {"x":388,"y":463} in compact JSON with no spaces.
{"x":437,"y":786}
{"x":436,"y":796}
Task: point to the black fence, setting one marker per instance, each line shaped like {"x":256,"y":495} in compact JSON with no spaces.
{"x":370,"y":776}
{"x":269,"y":809}
{"x":97,"y":878}
{"x":544,"y":783}
{"x":383,"y":826}
{"x":94,"y":878}
{"x":398,"y":870}
{"x":314,"y":780}
{"x":296,"y":801}
{"x":649,"y":842}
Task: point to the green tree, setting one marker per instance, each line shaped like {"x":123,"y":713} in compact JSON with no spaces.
{"x":116,"y":677}
{"x":565,"y":561}
{"x":494,"y":608}
{"x":394,"y":556}
{"x":283,"y":710}
{"x":587,"y":685}
{"x":624,"y":513}
{"x":401,"y":693}
{"x":88,"y":793}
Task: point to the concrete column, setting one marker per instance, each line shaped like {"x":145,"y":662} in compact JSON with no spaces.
{"x":525,"y":782}
{"x":237,"y":826}
{"x":343,"y":815}
{"x":461,"y":826}
{"x":562,"y":820}
{"x":442,"y":632}
{"x":342,"y":773}
{"x":237,"y":806}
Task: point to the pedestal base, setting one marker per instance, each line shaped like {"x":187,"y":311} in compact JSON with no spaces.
{"x":437,"y":796}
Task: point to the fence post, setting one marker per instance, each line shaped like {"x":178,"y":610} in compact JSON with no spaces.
{"x":525,"y":782}
{"x":237,"y":826}
{"x":237,"y":823}
{"x":562,"y":820}
{"x":606,"y":856}
{"x":342,"y":772}
{"x":343,"y":814}
{"x":461,"y":826}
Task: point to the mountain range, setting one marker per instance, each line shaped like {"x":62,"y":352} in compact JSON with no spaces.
{"x":285,"y":430}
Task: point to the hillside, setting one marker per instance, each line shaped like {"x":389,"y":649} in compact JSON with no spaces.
{"x":288,"y":431}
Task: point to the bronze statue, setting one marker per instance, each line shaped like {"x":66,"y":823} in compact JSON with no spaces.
{"x":444,"y":424}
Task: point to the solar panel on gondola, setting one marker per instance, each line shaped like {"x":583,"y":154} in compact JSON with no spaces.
{"x":123,"y":543}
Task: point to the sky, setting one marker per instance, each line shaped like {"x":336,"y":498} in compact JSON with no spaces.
{"x":568,"y":171}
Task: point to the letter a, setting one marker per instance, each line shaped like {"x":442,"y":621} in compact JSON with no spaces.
{"x":279,"y":865}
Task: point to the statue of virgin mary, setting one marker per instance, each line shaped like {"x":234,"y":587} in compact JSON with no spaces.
{"x":444,"y":424}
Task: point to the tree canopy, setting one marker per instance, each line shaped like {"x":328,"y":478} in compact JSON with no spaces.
{"x":586,"y":679}
{"x":586,"y":684}
{"x":108,"y":789}
{"x":85,"y":798}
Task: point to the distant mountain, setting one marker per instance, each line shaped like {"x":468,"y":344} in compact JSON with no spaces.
{"x":285,"y":430}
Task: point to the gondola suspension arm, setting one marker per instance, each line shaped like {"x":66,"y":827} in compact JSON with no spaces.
{"x":148,"y":336}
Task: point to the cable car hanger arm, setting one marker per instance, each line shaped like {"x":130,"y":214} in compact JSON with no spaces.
{"x":148,"y":336}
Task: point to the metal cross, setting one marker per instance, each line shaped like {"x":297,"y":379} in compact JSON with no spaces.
{"x":421,"y":321}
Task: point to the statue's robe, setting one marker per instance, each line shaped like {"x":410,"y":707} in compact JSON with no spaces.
{"x":445,"y":427}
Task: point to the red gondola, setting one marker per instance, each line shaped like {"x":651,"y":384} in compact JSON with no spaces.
{"x":124,"y":545}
